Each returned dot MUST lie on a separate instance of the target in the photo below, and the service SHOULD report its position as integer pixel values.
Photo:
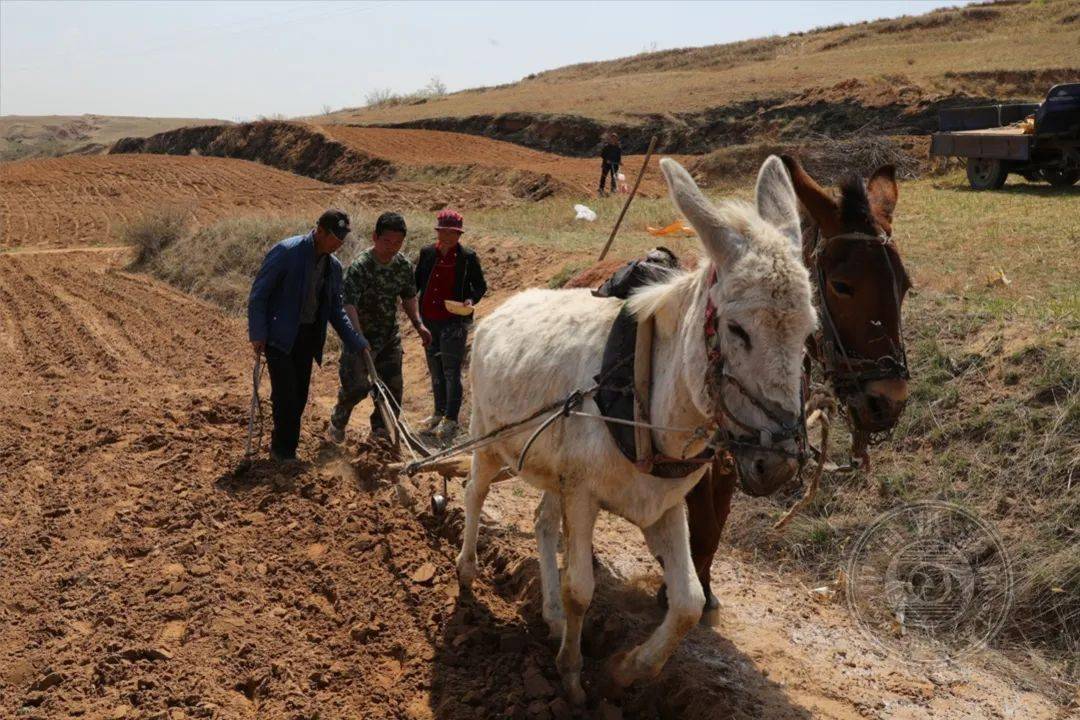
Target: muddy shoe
(381, 435)
(334, 434)
(284, 461)
(447, 429)
(431, 422)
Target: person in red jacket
(445, 271)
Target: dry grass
(153, 232)
(217, 261)
(829, 160)
(933, 51)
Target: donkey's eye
(736, 330)
(842, 288)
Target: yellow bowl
(458, 308)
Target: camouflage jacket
(374, 289)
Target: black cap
(336, 222)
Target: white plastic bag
(584, 213)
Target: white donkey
(542, 345)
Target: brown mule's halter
(846, 370)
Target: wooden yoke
(643, 441)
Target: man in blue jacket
(297, 290)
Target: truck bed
(1009, 130)
(1002, 143)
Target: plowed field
(77, 200)
(437, 148)
(147, 574)
(74, 200)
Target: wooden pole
(611, 238)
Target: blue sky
(240, 60)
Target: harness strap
(643, 440)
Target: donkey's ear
(721, 243)
(776, 201)
(882, 191)
(819, 203)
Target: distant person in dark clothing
(654, 267)
(610, 159)
(446, 271)
(296, 292)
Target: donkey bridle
(846, 370)
(759, 439)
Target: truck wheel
(986, 173)
(1061, 178)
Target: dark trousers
(445, 355)
(290, 376)
(612, 168)
(356, 385)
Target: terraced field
(79, 200)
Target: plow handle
(385, 411)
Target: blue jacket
(278, 291)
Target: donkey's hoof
(556, 628)
(621, 672)
(466, 573)
(574, 692)
(710, 614)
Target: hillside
(343, 154)
(30, 136)
(894, 73)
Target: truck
(1039, 141)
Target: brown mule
(861, 284)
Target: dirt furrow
(111, 324)
(14, 341)
(51, 344)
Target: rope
(488, 438)
(816, 478)
(563, 408)
(634, 423)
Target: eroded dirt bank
(890, 105)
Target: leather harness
(616, 398)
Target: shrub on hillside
(385, 97)
(218, 262)
(154, 231)
(829, 160)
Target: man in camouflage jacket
(374, 284)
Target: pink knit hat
(450, 220)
